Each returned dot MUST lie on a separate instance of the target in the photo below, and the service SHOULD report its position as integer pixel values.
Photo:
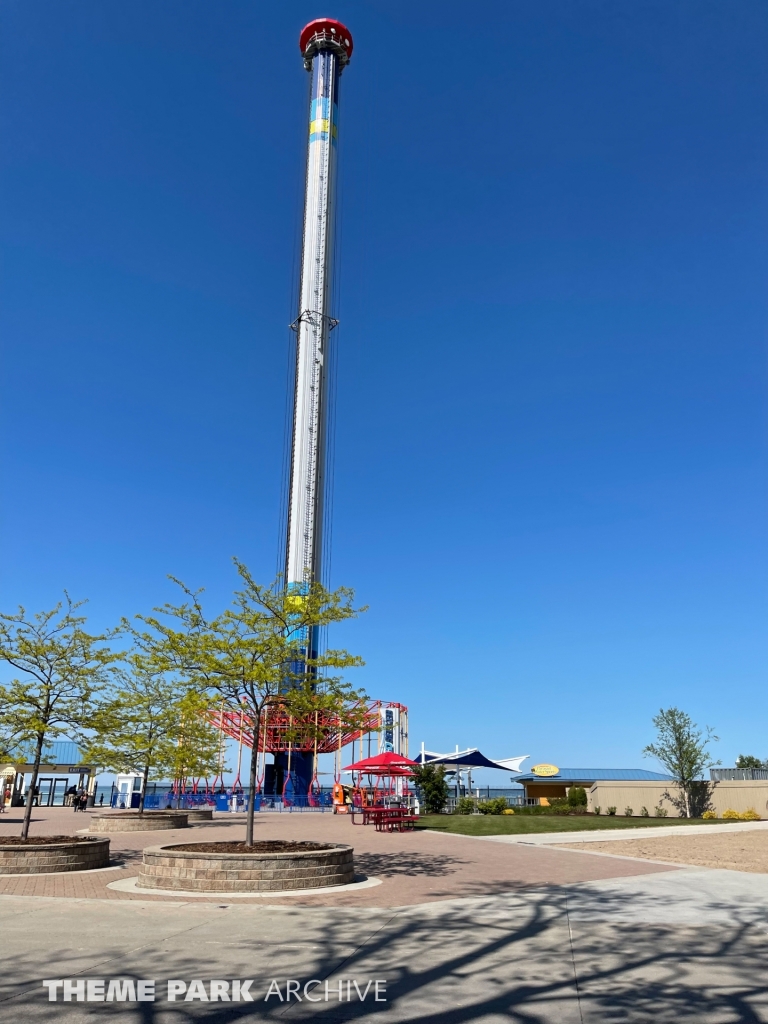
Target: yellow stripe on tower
(321, 125)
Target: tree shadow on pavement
(385, 865)
(555, 956)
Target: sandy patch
(738, 851)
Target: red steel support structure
(280, 734)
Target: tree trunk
(687, 797)
(252, 793)
(33, 785)
(143, 788)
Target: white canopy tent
(468, 760)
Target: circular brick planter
(200, 814)
(194, 871)
(127, 821)
(83, 855)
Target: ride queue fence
(161, 795)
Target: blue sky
(550, 460)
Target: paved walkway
(459, 931)
(415, 868)
(683, 947)
(626, 834)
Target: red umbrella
(383, 764)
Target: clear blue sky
(550, 470)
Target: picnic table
(385, 819)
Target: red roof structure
(324, 734)
(330, 29)
(383, 764)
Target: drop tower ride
(326, 46)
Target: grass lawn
(517, 824)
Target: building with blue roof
(637, 791)
(61, 772)
(547, 782)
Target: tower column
(326, 46)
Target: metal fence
(513, 795)
(160, 796)
(738, 774)
(513, 800)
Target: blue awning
(462, 760)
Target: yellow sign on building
(545, 770)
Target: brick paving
(415, 868)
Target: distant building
(61, 769)
(731, 789)
(551, 783)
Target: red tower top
(326, 32)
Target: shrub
(750, 815)
(660, 812)
(508, 810)
(644, 813)
(597, 809)
(611, 811)
(577, 796)
(731, 815)
(559, 806)
(496, 806)
(709, 815)
(465, 805)
(628, 812)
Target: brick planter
(40, 860)
(132, 821)
(200, 814)
(191, 870)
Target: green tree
(430, 779)
(197, 752)
(8, 746)
(62, 669)
(682, 749)
(151, 723)
(251, 656)
(748, 761)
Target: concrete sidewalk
(607, 835)
(687, 946)
(459, 931)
